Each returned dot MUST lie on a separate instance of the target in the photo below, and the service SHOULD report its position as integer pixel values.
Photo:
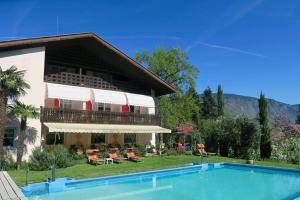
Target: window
(107, 107)
(54, 138)
(100, 106)
(129, 138)
(9, 136)
(98, 138)
(104, 107)
(65, 104)
(131, 108)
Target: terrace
(97, 117)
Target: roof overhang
(96, 44)
(104, 128)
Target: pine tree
(265, 141)
(220, 101)
(209, 106)
(298, 115)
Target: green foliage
(62, 157)
(42, 160)
(171, 65)
(209, 106)
(171, 152)
(220, 101)
(249, 135)
(39, 160)
(8, 163)
(140, 149)
(287, 150)
(265, 141)
(210, 131)
(298, 115)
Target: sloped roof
(160, 86)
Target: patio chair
(201, 149)
(132, 156)
(94, 159)
(116, 158)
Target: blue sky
(247, 46)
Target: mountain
(238, 105)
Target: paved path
(8, 188)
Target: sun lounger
(133, 157)
(94, 159)
(116, 158)
(201, 149)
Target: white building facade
(89, 94)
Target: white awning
(140, 100)
(67, 92)
(104, 128)
(108, 96)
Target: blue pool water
(222, 181)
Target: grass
(150, 163)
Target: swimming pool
(212, 181)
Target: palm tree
(12, 85)
(23, 112)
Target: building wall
(32, 61)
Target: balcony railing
(91, 82)
(96, 117)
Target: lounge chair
(201, 149)
(116, 158)
(131, 155)
(94, 159)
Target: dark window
(54, 138)
(131, 108)
(129, 138)
(9, 136)
(107, 107)
(100, 106)
(98, 138)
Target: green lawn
(150, 163)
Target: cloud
(232, 15)
(22, 16)
(230, 49)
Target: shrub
(140, 150)
(171, 152)
(287, 150)
(39, 160)
(8, 162)
(62, 157)
(249, 136)
(42, 160)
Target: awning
(140, 100)
(108, 96)
(67, 92)
(104, 128)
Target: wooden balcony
(97, 117)
(104, 82)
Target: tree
(209, 110)
(23, 112)
(265, 141)
(197, 113)
(220, 101)
(171, 65)
(298, 115)
(12, 85)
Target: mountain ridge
(245, 105)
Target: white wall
(32, 60)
